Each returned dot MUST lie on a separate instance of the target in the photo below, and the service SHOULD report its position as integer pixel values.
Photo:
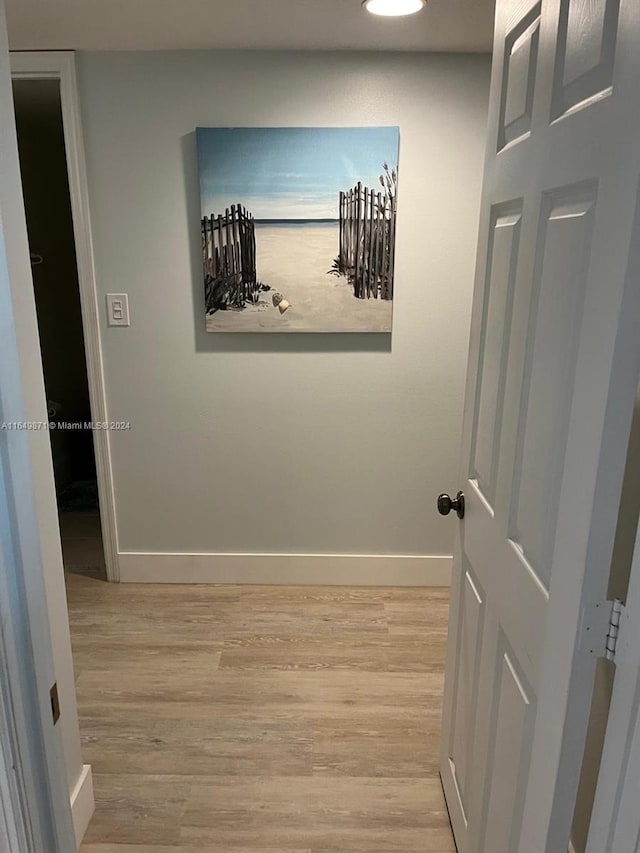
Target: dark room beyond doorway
(55, 279)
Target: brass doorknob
(446, 504)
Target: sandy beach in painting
(294, 260)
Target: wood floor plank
(371, 653)
(387, 746)
(117, 742)
(286, 618)
(79, 588)
(261, 719)
(127, 661)
(344, 813)
(138, 809)
(329, 594)
(183, 677)
(449, 847)
(208, 848)
(416, 618)
(292, 695)
(115, 624)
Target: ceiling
(445, 25)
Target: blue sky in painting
(289, 173)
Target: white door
(553, 370)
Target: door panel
(519, 74)
(586, 52)
(563, 249)
(505, 239)
(553, 368)
(508, 761)
(471, 625)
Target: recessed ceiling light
(393, 8)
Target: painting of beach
(298, 228)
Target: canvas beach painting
(298, 228)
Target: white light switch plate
(118, 309)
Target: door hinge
(615, 620)
(600, 631)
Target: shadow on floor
(82, 548)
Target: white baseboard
(82, 803)
(294, 569)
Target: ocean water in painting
(298, 228)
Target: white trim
(295, 569)
(15, 827)
(82, 803)
(60, 65)
(572, 849)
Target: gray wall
(299, 444)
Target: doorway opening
(45, 182)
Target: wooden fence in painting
(229, 259)
(367, 241)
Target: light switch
(118, 309)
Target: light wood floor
(261, 719)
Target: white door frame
(12, 829)
(615, 820)
(32, 817)
(60, 65)
(34, 799)
(16, 832)
(34, 796)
